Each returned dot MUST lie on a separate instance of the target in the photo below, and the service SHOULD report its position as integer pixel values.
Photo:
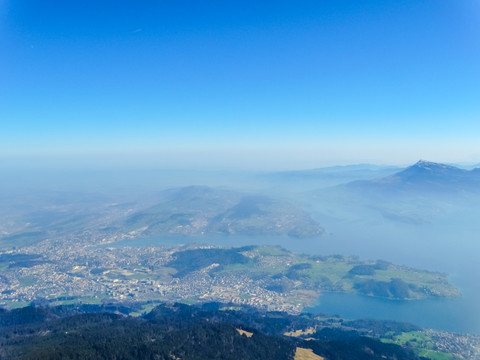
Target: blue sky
(248, 84)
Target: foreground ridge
(214, 331)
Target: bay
(461, 315)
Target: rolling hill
(201, 210)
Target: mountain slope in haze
(429, 177)
(414, 195)
(201, 210)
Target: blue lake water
(457, 315)
(442, 314)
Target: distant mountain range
(427, 177)
(413, 195)
(327, 176)
(359, 170)
(201, 210)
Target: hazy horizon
(132, 163)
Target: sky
(239, 84)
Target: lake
(399, 245)
(441, 314)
